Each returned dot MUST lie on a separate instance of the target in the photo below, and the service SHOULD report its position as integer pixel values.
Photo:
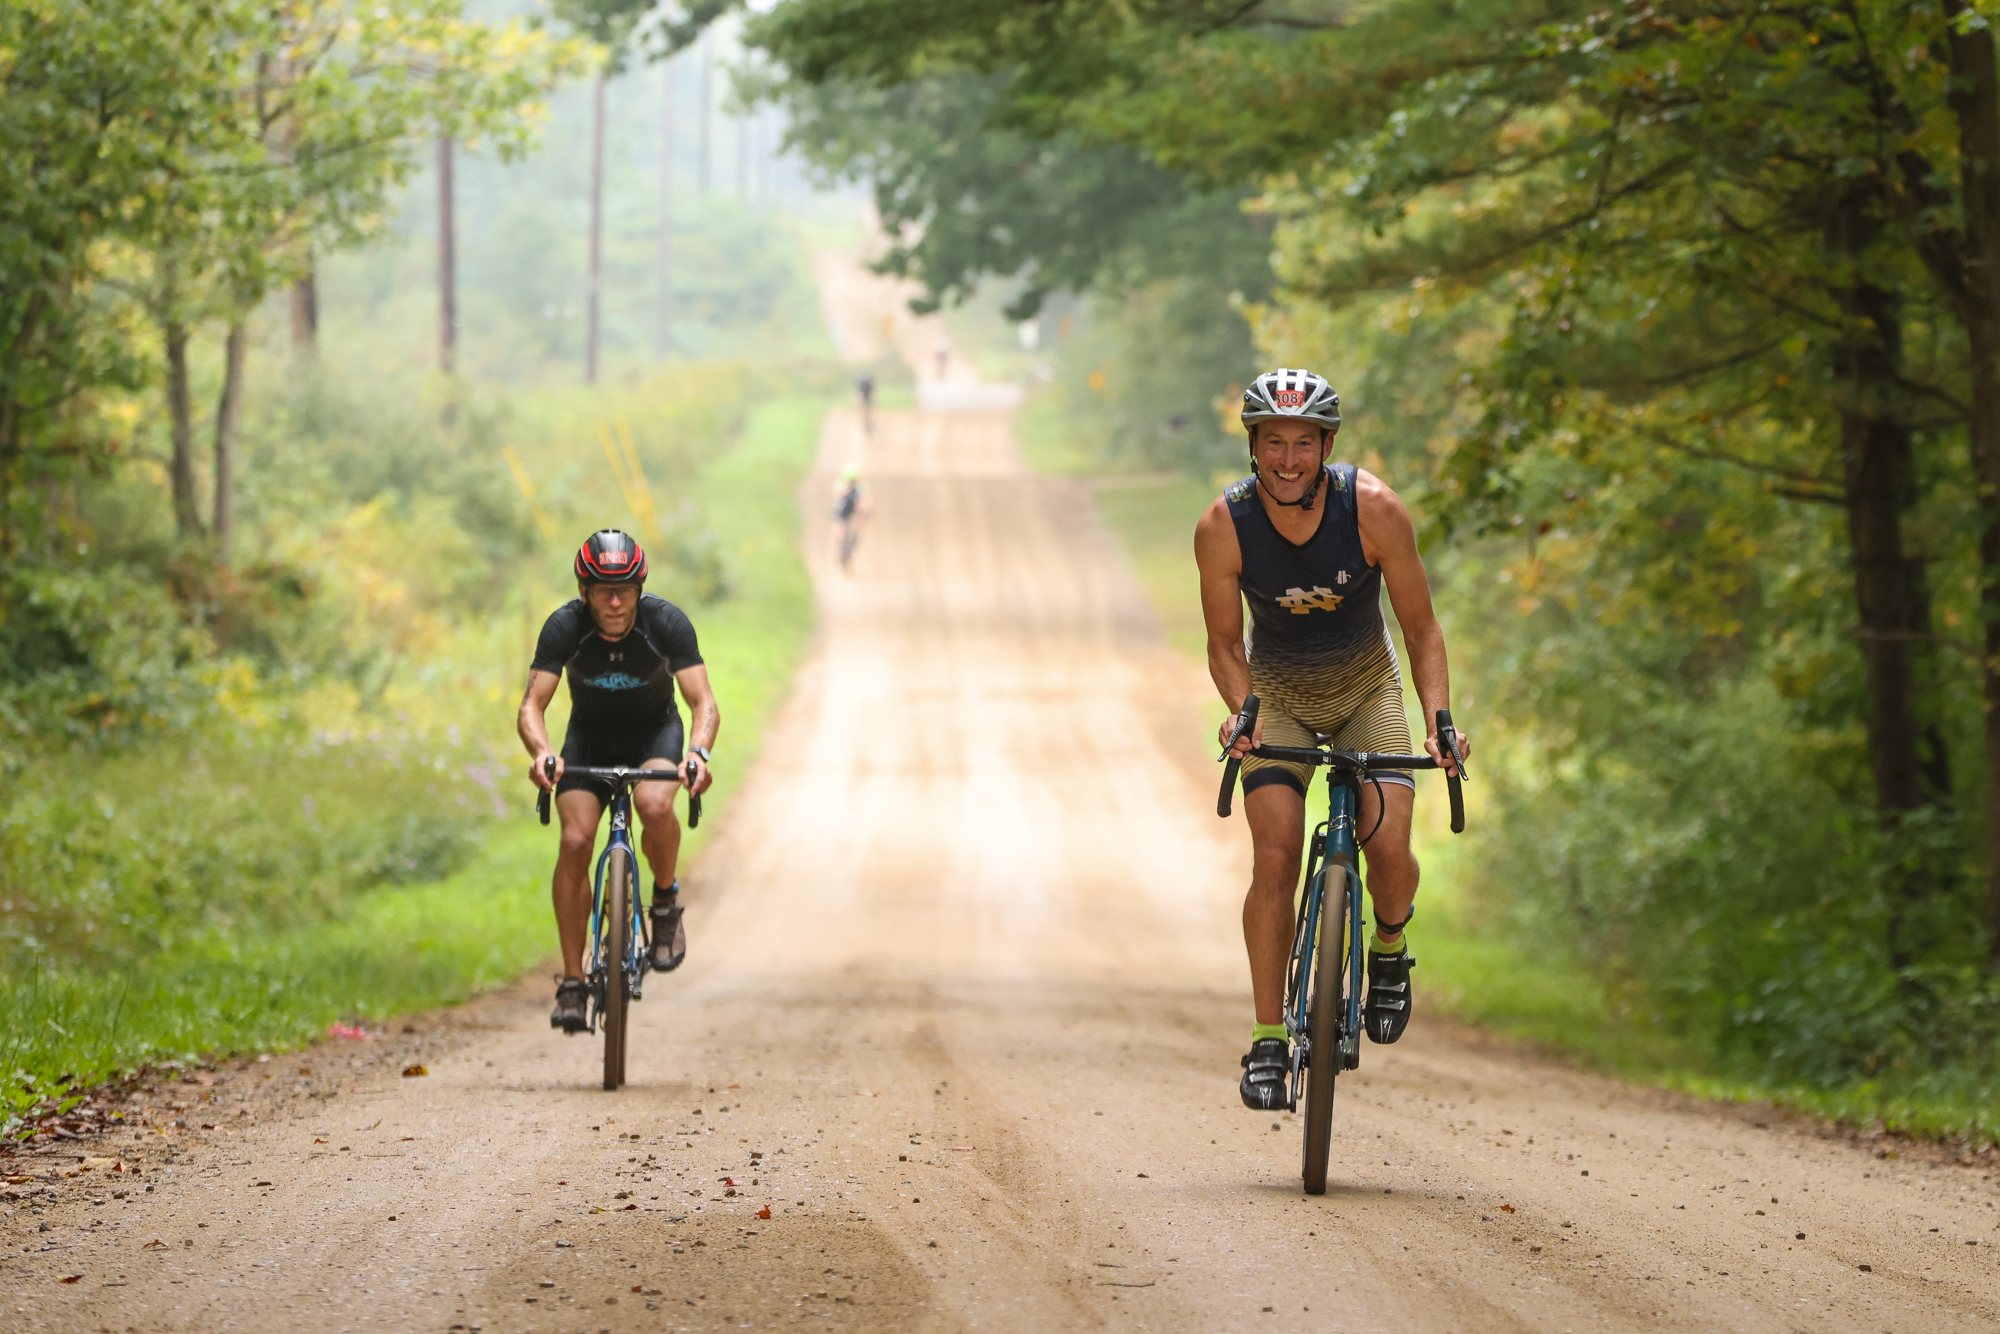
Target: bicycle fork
(1309, 938)
(633, 966)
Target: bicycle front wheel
(1323, 1022)
(617, 944)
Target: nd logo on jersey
(1301, 601)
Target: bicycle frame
(638, 958)
(639, 953)
(1331, 920)
(1332, 850)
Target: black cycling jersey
(623, 686)
(1314, 601)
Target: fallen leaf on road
(350, 1031)
(154, 1245)
(765, 1212)
(17, 1180)
(562, 1183)
(317, 1140)
(631, 1206)
(548, 1283)
(412, 1071)
(73, 1278)
(729, 1181)
(637, 1287)
(407, 1138)
(1506, 1208)
(368, 1127)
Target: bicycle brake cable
(1381, 809)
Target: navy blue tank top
(1313, 602)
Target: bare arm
(1220, 561)
(1389, 540)
(705, 720)
(532, 724)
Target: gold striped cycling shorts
(1357, 702)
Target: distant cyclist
(864, 389)
(1310, 547)
(625, 650)
(850, 513)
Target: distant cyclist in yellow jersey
(1310, 546)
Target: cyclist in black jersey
(1310, 547)
(625, 651)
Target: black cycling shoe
(1387, 1011)
(572, 1012)
(1267, 1072)
(670, 938)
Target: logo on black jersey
(1303, 601)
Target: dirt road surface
(962, 1015)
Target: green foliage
(100, 111)
(168, 899)
(1660, 313)
(390, 952)
(971, 190)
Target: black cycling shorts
(596, 749)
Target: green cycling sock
(1258, 1032)
(1377, 945)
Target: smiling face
(612, 606)
(1288, 453)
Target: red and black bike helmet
(610, 557)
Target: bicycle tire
(617, 944)
(1323, 1023)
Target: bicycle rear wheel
(1323, 1022)
(617, 944)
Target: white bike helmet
(1289, 393)
(1300, 395)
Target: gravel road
(956, 1049)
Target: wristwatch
(701, 751)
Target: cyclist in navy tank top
(1309, 546)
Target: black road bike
(1326, 979)
(620, 943)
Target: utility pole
(447, 264)
(661, 310)
(743, 157)
(596, 228)
(707, 104)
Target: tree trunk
(1974, 95)
(596, 229)
(305, 313)
(180, 412)
(447, 264)
(228, 415)
(1879, 466)
(662, 310)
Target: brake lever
(1245, 721)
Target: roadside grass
(1472, 965)
(69, 1022)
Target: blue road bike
(620, 953)
(1326, 978)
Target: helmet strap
(1304, 502)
